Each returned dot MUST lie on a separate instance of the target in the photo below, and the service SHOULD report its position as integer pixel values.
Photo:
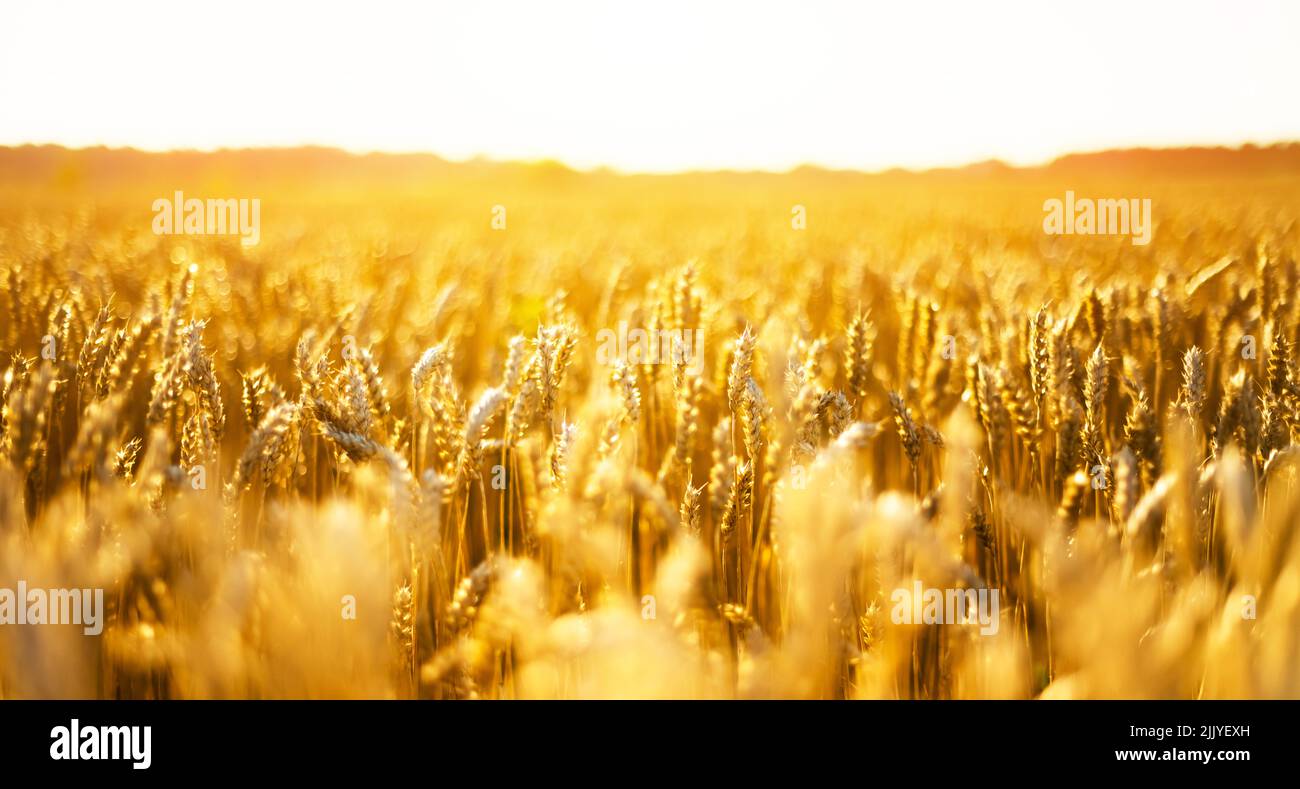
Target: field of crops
(520, 432)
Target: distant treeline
(52, 164)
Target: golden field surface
(384, 454)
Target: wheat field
(387, 452)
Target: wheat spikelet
(742, 362)
(1143, 436)
(559, 455)
(175, 318)
(690, 511)
(859, 343)
(1193, 393)
(255, 389)
(272, 449)
(124, 459)
(722, 471)
(377, 392)
(1070, 446)
(25, 417)
(95, 434)
(94, 348)
(906, 428)
(512, 373)
(125, 364)
(1094, 396)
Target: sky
(657, 86)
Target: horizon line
(614, 170)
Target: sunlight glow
(655, 87)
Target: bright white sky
(654, 86)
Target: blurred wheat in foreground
(405, 413)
